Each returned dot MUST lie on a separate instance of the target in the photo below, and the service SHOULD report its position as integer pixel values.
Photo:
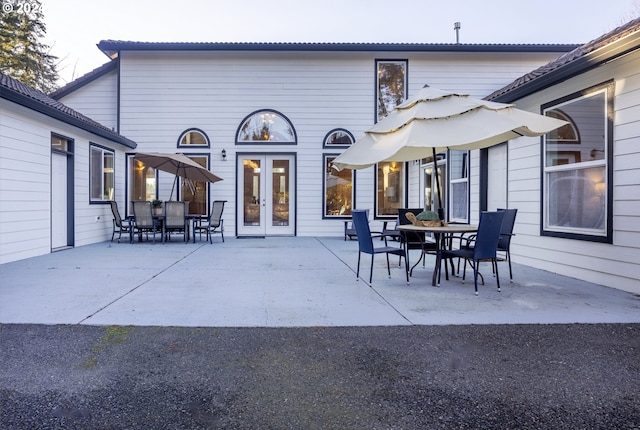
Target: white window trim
(575, 167)
(103, 151)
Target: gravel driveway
(575, 376)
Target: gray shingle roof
(611, 45)
(24, 95)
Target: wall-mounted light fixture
(224, 155)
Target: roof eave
(35, 105)
(112, 48)
(610, 52)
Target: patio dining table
(442, 236)
(190, 225)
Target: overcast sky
(74, 27)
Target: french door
(266, 194)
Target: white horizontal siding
(616, 264)
(165, 93)
(25, 148)
(25, 184)
(98, 100)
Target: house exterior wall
(25, 183)
(98, 100)
(163, 93)
(616, 264)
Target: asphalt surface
(576, 376)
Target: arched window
(566, 133)
(337, 138)
(193, 137)
(266, 126)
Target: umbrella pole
(172, 187)
(435, 171)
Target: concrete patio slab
(281, 282)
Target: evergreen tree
(23, 55)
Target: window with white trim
(576, 167)
(143, 182)
(193, 137)
(338, 189)
(391, 86)
(101, 173)
(266, 126)
(338, 138)
(390, 194)
(196, 192)
(459, 186)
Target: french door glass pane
(280, 193)
(252, 197)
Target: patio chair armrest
(468, 242)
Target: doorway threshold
(61, 248)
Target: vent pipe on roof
(456, 27)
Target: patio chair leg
(358, 270)
(475, 277)
(497, 275)
(388, 269)
(464, 271)
(371, 270)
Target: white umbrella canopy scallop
(433, 121)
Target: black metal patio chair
(144, 221)
(506, 233)
(365, 244)
(120, 225)
(213, 223)
(415, 240)
(175, 220)
(482, 247)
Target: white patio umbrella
(433, 121)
